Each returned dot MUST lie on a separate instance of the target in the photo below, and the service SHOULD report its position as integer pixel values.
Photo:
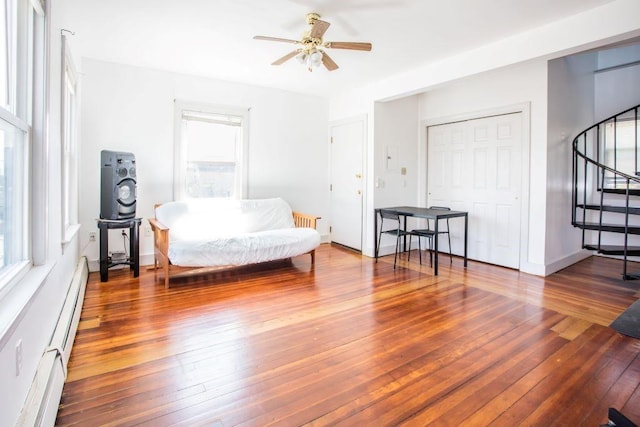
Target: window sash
(21, 93)
(14, 247)
(211, 118)
(188, 169)
(68, 156)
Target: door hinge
(332, 140)
(330, 229)
(330, 187)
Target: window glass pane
(212, 149)
(621, 154)
(11, 196)
(68, 153)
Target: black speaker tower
(117, 185)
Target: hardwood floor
(352, 342)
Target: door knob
(358, 175)
(359, 192)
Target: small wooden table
(417, 212)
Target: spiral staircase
(606, 187)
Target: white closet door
(475, 166)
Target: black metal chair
(430, 233)
(398, 231)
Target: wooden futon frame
(161, 249)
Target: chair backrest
(386, 214)
(442, 208)
(391, 216)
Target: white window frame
(25, 113)
(616, 144)
(180, 146)
(69, 146)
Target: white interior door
(475, 166)
(347, 141)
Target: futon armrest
(304, 220)
(160, 236)
(157, 225)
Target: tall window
(210, 151)
(21, 40)
(69, 150)
(620, 148)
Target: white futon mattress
(243, 249)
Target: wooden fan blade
(319, 28)
(348, 45)
(275, 39)
(287, 57)
(328, 62)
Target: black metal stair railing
(606, 181)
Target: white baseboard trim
(41, 405)
(532, 268)
(557, 265)
(389, 249)
(566, 261)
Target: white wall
(499, 91)
(131, 109)
(36, 301)
(616, 90)
(395, 133)
(571, 110)
(396, 129)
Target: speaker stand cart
(133, 260)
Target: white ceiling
(214, 38)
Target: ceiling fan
(311, 53)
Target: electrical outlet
(18, 357)
(147, 231)
(92, 236)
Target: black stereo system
(117, 185)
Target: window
(69, 150)
(21, 82)
(210, 151)
(620, 149)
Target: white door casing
(346, 180)
(475, 165)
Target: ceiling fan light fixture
(310, 58)
(302, 57)
(315, 58)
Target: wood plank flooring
(352, 342)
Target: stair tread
(633, 210)
(611, 247)
(613, 228)
(614, 249)
(632, 191)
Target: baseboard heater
(41, 406)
